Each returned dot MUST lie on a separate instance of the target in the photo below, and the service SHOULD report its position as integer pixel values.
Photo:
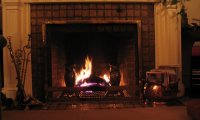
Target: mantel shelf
(60, 1)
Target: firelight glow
(155, 87)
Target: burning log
(85, 78)
(93, 81)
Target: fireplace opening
(92, 59)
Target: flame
(63, 83)
(106, 78)
(85, 72)
(122, 81)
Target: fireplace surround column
(16, 24)
(168, 39)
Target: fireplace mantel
(60, 1)
(16, 23)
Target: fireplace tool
(20, 59)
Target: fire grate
(90, 93)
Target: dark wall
(1, 66)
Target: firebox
(92, 59)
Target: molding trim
(60, 1)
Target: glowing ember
(155, 87)
(87, 84)
(84, 72)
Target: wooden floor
(147, 113)
(101, 110)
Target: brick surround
(88, 11)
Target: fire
(106, 78)
(85, 72)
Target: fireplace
(94, 55)
(118, 35)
